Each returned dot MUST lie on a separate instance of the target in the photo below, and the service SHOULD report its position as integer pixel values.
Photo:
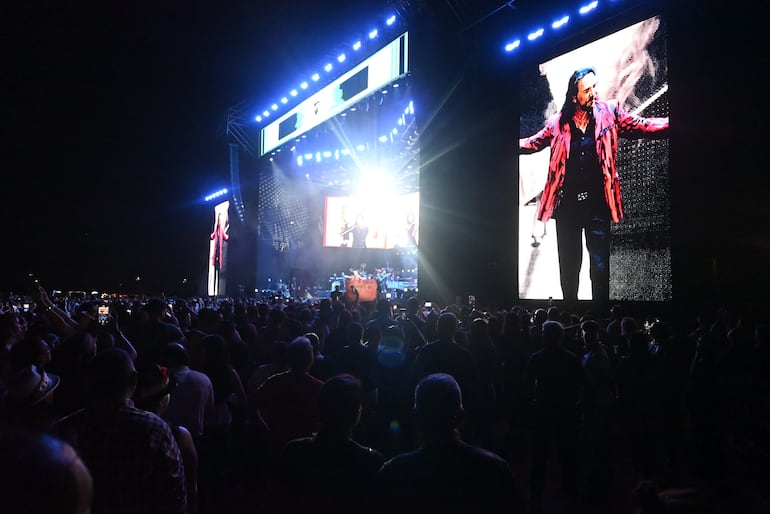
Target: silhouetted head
(155, 308)
(590, 331)
(40, 475)
(300, 355)
(174, 355)
(438, 404)
(110, 376)
(354, 332)
(153, 388)
(447, 326)
(553, 313)
(339, 402)
(553, 333)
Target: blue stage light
(341, 58)
(266, 114)
(274, 107)
(303, 85)
(216, 194)
(589, 7)
(357, 45)
(560, 23)
(284, 100)
(373, 34)
(315, 77)
(328, 67)
(510, 47)
(308, 156)
(536, 34)
(390, 21)
(293, 92)
(258, 118)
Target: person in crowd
(703, 404)
(69, 362)
(595, 403)
(276, 364)
(639, 392)
(286, 402)
(153, 390)
(132, 454)
(555, 379)
(160, 329)
(216, 447)
(329, 471)
(445, 355)
(488, 363)
(191, 402)
(358, 360)
(445, 474)
(29, 401)
(40, 474)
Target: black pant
(569, 231)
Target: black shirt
(582, 191)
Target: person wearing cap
(30, 398)
(153, 391)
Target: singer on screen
(582, 189)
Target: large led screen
(593, 171)
(341, 199)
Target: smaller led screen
(386, 223)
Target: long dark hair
(568, 109)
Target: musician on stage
(360, 231)
(582, 190)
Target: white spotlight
(510, 47)
(560, 23)
(589, 7)
(536, 34)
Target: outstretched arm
(633, 126)
(538, 141)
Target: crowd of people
(245, 405)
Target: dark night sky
(115, 125)
(114, 119)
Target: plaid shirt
(133, 458)
(611, 122)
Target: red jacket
(611, 122)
